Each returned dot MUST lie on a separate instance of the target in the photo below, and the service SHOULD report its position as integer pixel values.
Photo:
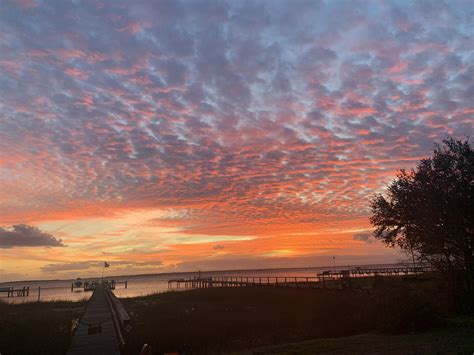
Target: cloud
(218, 247)
(22, 235)
(236, 262)
(366, 237)
(90, 265)
(241, 118)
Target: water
(141, 285)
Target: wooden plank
(97, 313)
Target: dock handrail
(120, 317)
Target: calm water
(143, 284)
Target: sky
(165, 136)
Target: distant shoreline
(330, 267)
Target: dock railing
(120, 317)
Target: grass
(37, 328)
(383, 312)
(456, 338)
(379, 315)
(214, 320)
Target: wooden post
(126, 283)
(39, 292)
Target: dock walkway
(99, 330)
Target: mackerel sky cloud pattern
(261, 127)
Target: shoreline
(329, 267)
(315, 278)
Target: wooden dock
(20, 292)
(101, 328)
(238, 281)
(91, 285)
(317, 281)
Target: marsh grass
(37, 327)
(400, 309)
(213, 320)
(457, 337)
(228, 319)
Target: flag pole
(105, 265)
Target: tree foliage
(429, 211)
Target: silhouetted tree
(429, 211)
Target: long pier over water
(317, 281)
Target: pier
(237, 281)
(37, 293)
(91, 285)
(102, 327)
(319, 281)
(11, 291)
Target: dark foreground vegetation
(220, 320)
(457, 337)
(37, 328)
(401, 315)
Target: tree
(429, 211)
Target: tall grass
(215, 320)
(221, 319)
(37, 328)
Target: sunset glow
(167, 136)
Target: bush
(404, 310)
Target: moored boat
(78, 282)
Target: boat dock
(36, 293)
(102, 327)
(91, 285)
(236, 281)
(318, 281)
(11, 291)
